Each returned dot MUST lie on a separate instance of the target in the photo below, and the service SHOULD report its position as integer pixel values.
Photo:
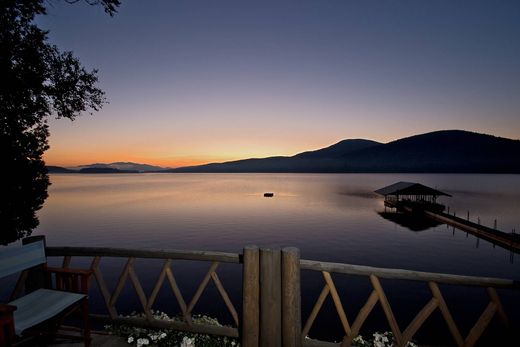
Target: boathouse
(412, 195)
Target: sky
(193, 81)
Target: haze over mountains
(123, 166)
(448, 151)
(117, 167)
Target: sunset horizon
(107, 158)
(259, 173)
(187, 87)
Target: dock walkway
(509, 241)
(506, 240)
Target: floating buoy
(268, 195)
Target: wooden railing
(271, 309)
(147, 301)
(437, 301)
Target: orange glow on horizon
(75, 161)
(68, 159)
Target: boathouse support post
(251, 297)
(270, 297)
(291, 298)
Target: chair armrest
(6, 309)
(67, 279)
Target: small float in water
(268, 195)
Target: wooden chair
(40, 312)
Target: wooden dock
(420, 200)
(508, 241)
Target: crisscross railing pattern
(166, 273)
(402, 337)
(271, 312)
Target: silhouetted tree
(36, 81)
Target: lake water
(330, 217)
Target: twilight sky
(193, 81)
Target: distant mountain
(104, 170)
(441, 151)
(59, 169)
(339, 149)
(123, 166)
(449, 151)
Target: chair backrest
(16, 259)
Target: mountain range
(447, 151)
(123, 166)
(117, 167)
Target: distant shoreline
(447, 151)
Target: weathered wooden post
(291, 298)
(35, 276)
(270, 298)
(251, 297)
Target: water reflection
(412, 222)
(329, 217)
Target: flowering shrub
(147, 337)
(385, 339)
(141, 337)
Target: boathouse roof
(409, 188)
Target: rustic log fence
(378, 296)
(271, 298)
(128, 273)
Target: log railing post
(291, 298)
(270, 298)
(251, 297)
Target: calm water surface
(329, 217)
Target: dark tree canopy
(37, 81)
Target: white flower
(187, 342)
(130, 339)
(142, 341)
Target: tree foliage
(37, 81)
